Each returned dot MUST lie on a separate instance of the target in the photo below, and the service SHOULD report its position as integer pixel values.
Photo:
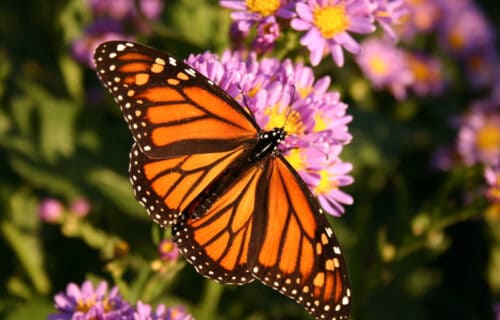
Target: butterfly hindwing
(170, 108)
(299, 255)
(165, 187)
(219, 243)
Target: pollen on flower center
(331, 20)
(85, 305)
(456, 40)
(488, 138)
(263, 7)
(293, 124)
(325, 184)
(378, 65)
(295, 158)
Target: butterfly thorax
(264, 147)
(268, 143)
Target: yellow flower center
(252, 92)
(319, 122)
(456, 40)
(488, 138)
(325, 183)
(378, 65)
(167, 246)
(263, 7)
(295, 158)
(304, 91)
(331, 20)
(85, 305)
(419, 69)
(493, 213)
(277, 118)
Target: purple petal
(299, 24)
(337, 54)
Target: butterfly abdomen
(266, 146)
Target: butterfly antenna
(245, 101)
(289, 106)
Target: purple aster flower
(285, 94)
(151, 9)
(101, 31)
(178, 313)
(332, 174)
(444, 158)
(115, 9)
(492, 177)
(466, 30)
(482, 68)
(167, 249)
(479, 136)
(327, 24)
(385, 66)
(422, 17)
(428, 78)
(302, 79)
(268, 31)
(80, 207)
(146, 312)
(389, 13)
(249, 12)
(87, 302)
(123, 9)
(50, 210)
(237, 36)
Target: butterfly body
(201, 165)
(265, 146)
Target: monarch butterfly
(201, 164)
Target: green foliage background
(415, 248)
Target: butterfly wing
(268, 226)
(170, 108)
(218, 243)
(165, 187)
(299, 255)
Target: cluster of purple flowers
(111, 20)
(466, 35)
(478, 142)
(284, 93)
(327, 25)
(87, 302)
(387, 66)
(463, 33)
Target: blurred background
(421, 240)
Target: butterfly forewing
(170, 108)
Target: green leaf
(21, 110)
(57, 130)
(28, 251)
(57, 122)
(43, 178)
(36, 309)
(117, 189)
(72, 74)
